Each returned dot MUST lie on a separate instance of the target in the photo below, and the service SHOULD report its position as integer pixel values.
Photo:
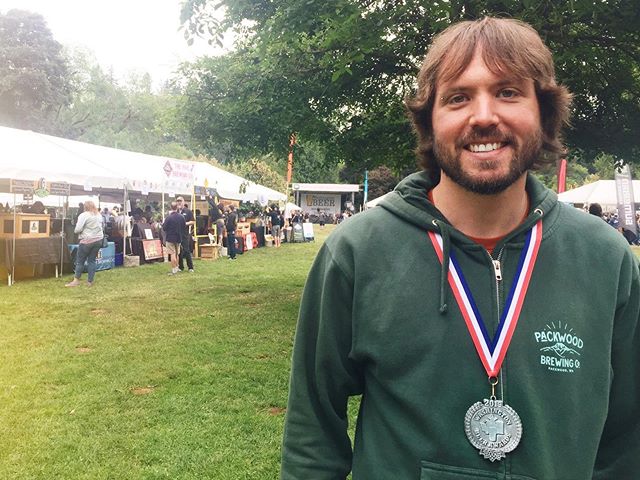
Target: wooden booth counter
(30, 225)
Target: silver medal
(493, 428)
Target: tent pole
(64, 214)
(12, 280)
(124, 225)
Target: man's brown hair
(506, 46)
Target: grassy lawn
(147, 376)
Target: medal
(491, 426)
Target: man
(148, 214)
(274, 221)
(232, 223)
(173, 226)
(216, 217)
(495, 335)
(185, 248)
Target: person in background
(105, 215)
(274, 222)
(138, 215)
(174, 228)
(89, 227)
(232, 223)
(216, 217)
(595, 209)
(322, 218)
(37, 207)
(148, 214)
(190, 221)
(297, 217)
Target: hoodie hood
(409, 201)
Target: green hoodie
(378, 319)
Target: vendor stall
(34, 166)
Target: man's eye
(508, 93)
(456, 99)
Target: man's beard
(524, 157)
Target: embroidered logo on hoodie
(560, 348)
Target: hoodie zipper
(497, 271)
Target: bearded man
(496, 335)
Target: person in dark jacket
(185, 247)
(216, 216)
(232, 223)
(496, 334)
(173, 227)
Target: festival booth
(228, 188)
(34, 166)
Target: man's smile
(484, 147)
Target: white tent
(602, 192)
(111, 173)
(289, 208)
(30, 156)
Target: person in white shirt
(89, 228)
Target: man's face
(180, 202)
(486, 128)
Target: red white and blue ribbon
(492, 352)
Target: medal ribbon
(492, 352)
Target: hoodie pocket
(437, 471)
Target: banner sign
(626, 204)
(180, 176)
(21, 186)
(40, 187)
(366, 187)
(326, 203)
(205, 191)
(59, 188)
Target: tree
(337, 71)
(34, 76)
(381, 180)
(260, 171)
(127, 116)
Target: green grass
(147, 376)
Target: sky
(125, 35)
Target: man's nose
(484, 113)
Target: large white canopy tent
(602, 192)
(29, 155)
(112, 173)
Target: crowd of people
(178, 229)
(612, 219)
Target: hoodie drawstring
(444, 268)
(444, 231)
